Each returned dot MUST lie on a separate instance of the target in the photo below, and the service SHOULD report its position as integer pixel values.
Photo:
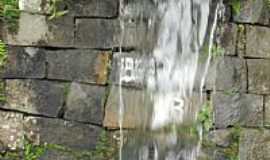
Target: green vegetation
(10, 13)
(205, 117)
(3, 59)
(3, 54)
(54, 9)
(236, 6)
(33, 152)
(217, 51)
(232, 152)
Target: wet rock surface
(78, 65)
(85, 103)
(35, 97)
(55, 131)
(234, 108)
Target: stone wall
(61, 83)
(240, 98)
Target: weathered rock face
(255, 144)
(35, 96)
(11, 129)
(85, 103)
(104, 33)
(94, 8)
(229, 38)
(231, 75)
(55, 131)
(78, 65)
(253, 12)
(133, 113)
(234, 108)
(258, 76)
(258, 42)
(37, 6)
(267, 111)
(46, 33)
(25, 63)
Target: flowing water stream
(172, 77)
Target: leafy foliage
(236, 6)
(54, 9)
(205, 117)
(10, 13)
(33, 152)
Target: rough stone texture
(234, 108)
(231, 74)
(221, 137)
(229, 38)
(85, 103)
(25, 63)
(78, 65)
(258, 42)
(255, 144)
(35, 97)
(267, 111)
(94, 8)
(55, 131)
(56, 155)
(11, 129)
(133, 111)
(36, 6)
(253, 12)
(101, 33)
(57, 32)
(258, 76)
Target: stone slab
(134, 113)
(101, 33)
(258, 76)
(258, 42)
(59, 132)
(85, 103)
(267, 111)
(35, 96)
(25, 63)
(231, 74)
(255, 12)
(54, 33)
(237, 109)
(78, 65)
(254, 144)
(229, 38)
(11, 129)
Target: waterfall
(170, 72)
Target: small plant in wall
(10, 13)
(236, 6)
(54, 9)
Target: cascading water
(169, 74)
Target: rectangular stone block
(229, 38)
(79, 65)
(36, 6)
(231, 74)
(94, 8)
(258, 42)
(101, 33)
(35, 96)
(134, 112)
(254, 144)
(54, 33)
(55, 131)
(85, 103)
(25, 62)
(11, 129)
(234, 109)
(267, 111)
(255, 12)
(258, 76)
